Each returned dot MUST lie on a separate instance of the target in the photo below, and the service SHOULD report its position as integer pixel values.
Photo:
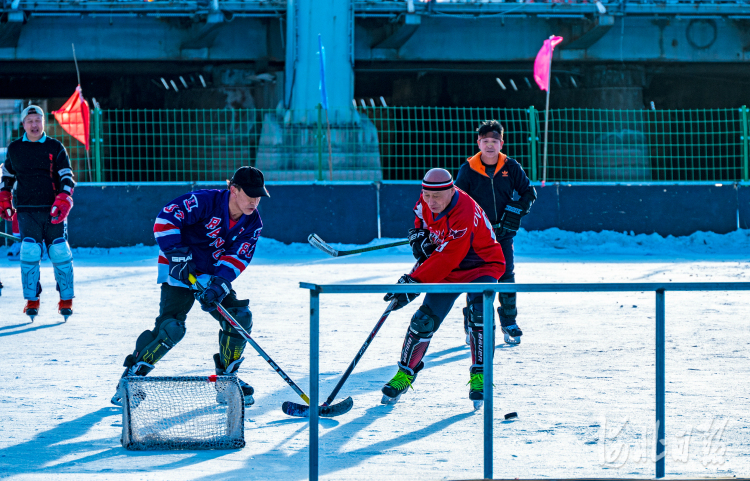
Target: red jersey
(466, 246)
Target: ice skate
(476, 390)
(65, 308)
(402, 381)
(247, 390)
(31, 309)
(139, 369)
(512, 334)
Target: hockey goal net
(163, 413)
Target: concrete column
(301, 142)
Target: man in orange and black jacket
(490, 178)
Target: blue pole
(660, 381)
(488, 345)
(314, 375)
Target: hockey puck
(511, 415)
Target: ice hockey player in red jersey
(210, 234)
(454, 242)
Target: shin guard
(153, 345)
(231, 342)
(423, 325)
(62, 261)
(476, 336)
(31, 255)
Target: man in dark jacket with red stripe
(490, 178)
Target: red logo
(214, 223)
(50, 157)
(505, 173)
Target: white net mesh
(161, 413)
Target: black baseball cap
(251, 181)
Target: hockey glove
(6, 205)
(403, 299)
(61, 208)
(214, 293)
(181, 264)
(421, 247)
(511, 219)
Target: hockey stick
(11, 237)
(300, 410)
(317, 242)
(327, 411)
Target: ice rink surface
(582, 380)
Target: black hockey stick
(317, 242)
(300, 410)
(327, 411)
(11, 237)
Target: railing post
(532, 141)
(660, 385)
(488, 345)
(97, 143)
(314, 375)
(745, 146)
(319, 137)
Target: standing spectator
(490, 178)
(40, 168)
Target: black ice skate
(476, 390)
(512, 332)
(402, 381)
(247, 390)
(139, 369)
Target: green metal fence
(401, 143)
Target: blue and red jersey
(466, 246)
(200, 221)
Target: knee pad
(31, 250)
(153, 345)
(242, 315)
(62, 262)
(31, 254)
(424, 322)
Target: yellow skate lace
(401, 380)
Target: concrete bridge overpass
(260, 53)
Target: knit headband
(443, 185)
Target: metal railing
(401, 143)
(488, 293)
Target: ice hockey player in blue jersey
(210, 234)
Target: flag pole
(78, 74)
(546, 118)
(330, 152)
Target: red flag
(543, 62)
(73, 117)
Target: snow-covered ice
(582, 381)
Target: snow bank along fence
(488, 291)
(358, 212)
(190, 145)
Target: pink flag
(543, 62)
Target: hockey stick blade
(319, 243)
(303, 411)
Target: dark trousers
(508, 311)
(38, 226)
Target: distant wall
(109, 215)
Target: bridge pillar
(299, 142)
(615, 147)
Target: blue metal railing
(488, 291)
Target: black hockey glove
(181, 264)
(421, 247)
(511, 219)
(403, 299)
(216, 291)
